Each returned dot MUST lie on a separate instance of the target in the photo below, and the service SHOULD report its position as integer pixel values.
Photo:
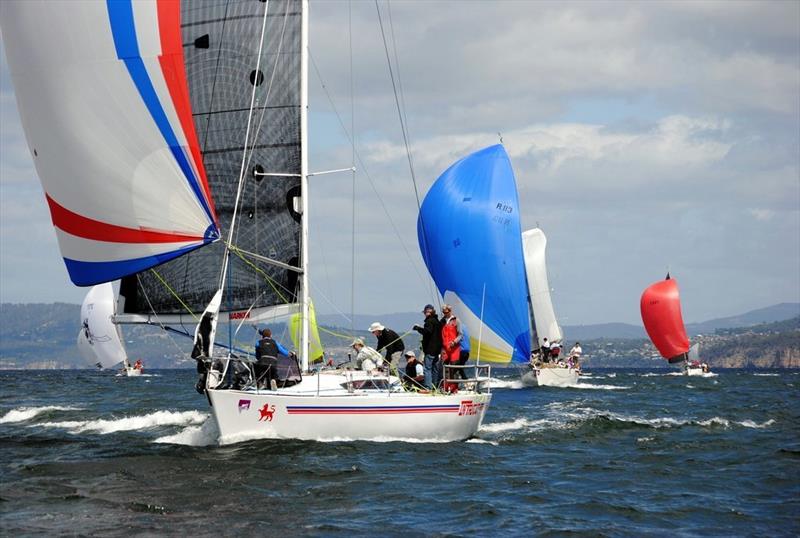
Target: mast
(304, 351)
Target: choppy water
(630, 453)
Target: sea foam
(151, 420)
(21, 414)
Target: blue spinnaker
(470, 237)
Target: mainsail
(661, 313)
(99, 339)
(534, 244)
(220, 60)
(470, 238)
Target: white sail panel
(108, 145)
(534, 243)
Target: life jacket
(267, 348)
(449, 333)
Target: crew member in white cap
(367, 359)
(388, 341)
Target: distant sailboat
(557, 373)
(660, 306)
(472, 244)
(99, 339)
(155, 128)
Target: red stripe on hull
(80, 226)
(369, 412)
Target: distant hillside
(778, 312)
(44, 336)
(403, 321)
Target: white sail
(99, 340)
(533, 245)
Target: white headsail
(533, 245)
(99, 339)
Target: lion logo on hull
(267, 412)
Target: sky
(645, 137)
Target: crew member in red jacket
(451, 343)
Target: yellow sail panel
(488, 353)
(295, 326)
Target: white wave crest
(597, 387)
(152, 420)
(751, 424)
(518, 424)
(22, 414)
(496, 383)
(482, 441)
(767, 375)
(652, 374)
(203, 435)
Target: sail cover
(661, 315)
(221, 61)
(99, 338)
(534, 243)
(470, 238)
(103, 100)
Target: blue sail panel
(470, 238)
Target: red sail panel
(661, 314)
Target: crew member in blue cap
(431, 332)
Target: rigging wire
(404, 129)
(353, 164)
(363, 167)
(226, 257)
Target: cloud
(644, 135)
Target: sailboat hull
(130, 371)
(367, 415)
(550, 377)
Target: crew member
(431, 332)
(389, 342)
(415, 373)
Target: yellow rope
(164, 282)
(269, 280)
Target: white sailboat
(99, 338)
(556, 373)
(171, 125)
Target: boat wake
(22, 414)
(204, 435)
(515, 425)
(151, 420)
(596, 387)
(497, 383)
(651, 374)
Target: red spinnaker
(661, 314)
